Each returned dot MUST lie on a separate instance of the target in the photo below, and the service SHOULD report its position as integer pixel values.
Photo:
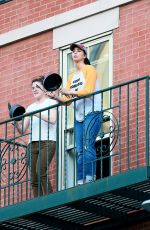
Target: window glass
(99, 53)
(99, 57)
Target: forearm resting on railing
(60, 99)
(51, 117)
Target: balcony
(122, 182)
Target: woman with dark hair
(88, 116)
(42, 141)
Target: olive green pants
(40, 155)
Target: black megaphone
(15, 110)
(52, 82)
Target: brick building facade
(32, 42)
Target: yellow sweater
(90, 75)
(84, 83)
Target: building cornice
(60, 20)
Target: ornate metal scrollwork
(109, 129)
(13, 162)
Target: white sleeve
(29, 109)
(52, 102)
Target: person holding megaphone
(88, 115)
(42, 141)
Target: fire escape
(122, 182)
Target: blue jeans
(85, 136)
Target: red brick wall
(18, 13)
(20, 62)
(132, 42)
(23, 60)
(131, 60)
(30, 57)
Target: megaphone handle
(9, 106)
(40, 88)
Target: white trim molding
(85, 28)
(61, 20)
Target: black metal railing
(122, 143)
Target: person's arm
(44, 116)
(65, 92)
(62, 99)
(55, 96)
(23, 126)
(90, 81)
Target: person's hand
(13, 123)
(73, 93)
(64, 91)
(52, 94)
(67, 93)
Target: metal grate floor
(105, 211)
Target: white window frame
(64, 51)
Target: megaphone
(15, 110)
(52, 82)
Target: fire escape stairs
(103, 204)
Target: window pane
(70, 64)
(99, 57)
(99, 52)
(70, 114)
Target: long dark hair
(86, 61)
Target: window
(4, 1)
(99, 51)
